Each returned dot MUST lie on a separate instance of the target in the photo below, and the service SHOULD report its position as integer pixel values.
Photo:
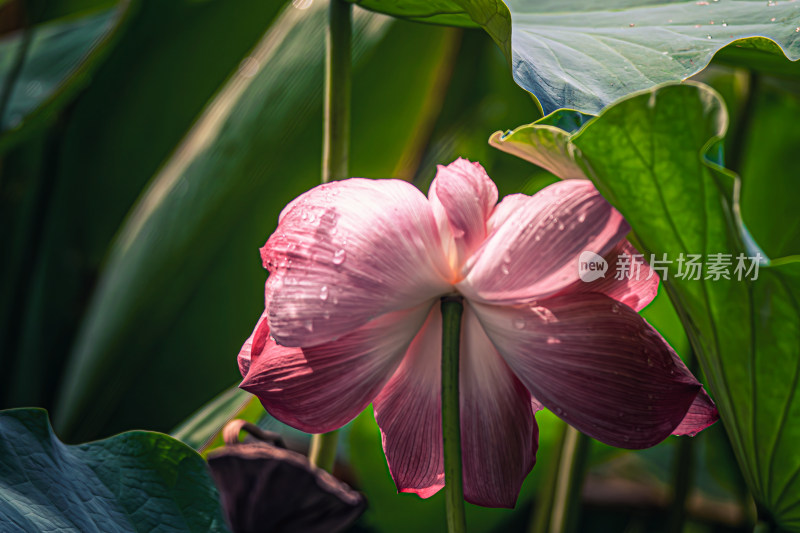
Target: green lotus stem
(335, 150)
(336, 134)
(683, 470)
(452, 309)
(322, 453)
(571, 471)
(540, 522)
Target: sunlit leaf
(136, 481)
(653, 156)
(585, 55)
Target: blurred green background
(146, 149)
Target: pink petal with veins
(534, 252)
(462, 197)
(596, 364)
(499, 435)
(321, 388)
(409, 412)
(347, 252)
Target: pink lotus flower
(357, 269)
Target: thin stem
(451, 418)
(323, 450)
(336, 135)
(540, 523)
(572, 468)
(683, 470)
(683, 474)
(335, 150)
(738, 145)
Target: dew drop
(615, 308)
(323, 293)
(708, 36)
(537, 238)
(507, 257)
(504, 269)
(582, 216)
(518, 323)
(304, 216)
(560, 226)
(309, 325)
(338, 256)
(772, 19)
(724, 24)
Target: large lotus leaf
(586, 54)
(655, 157)
(134, 482)
(42, 67)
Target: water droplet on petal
(537, 237)
(338, 256)
(519, 323)
(615, 308)
(323, 293)
(582, 216)
(626, 438)
(560, 226)
(504, 269)
(309, 325)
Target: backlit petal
(409, 413)
(534, 252)
(347, 252)
(636, 288)
(499, 436)
(321, 388)
(701, 414)
(596, 364)
(462, 197)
